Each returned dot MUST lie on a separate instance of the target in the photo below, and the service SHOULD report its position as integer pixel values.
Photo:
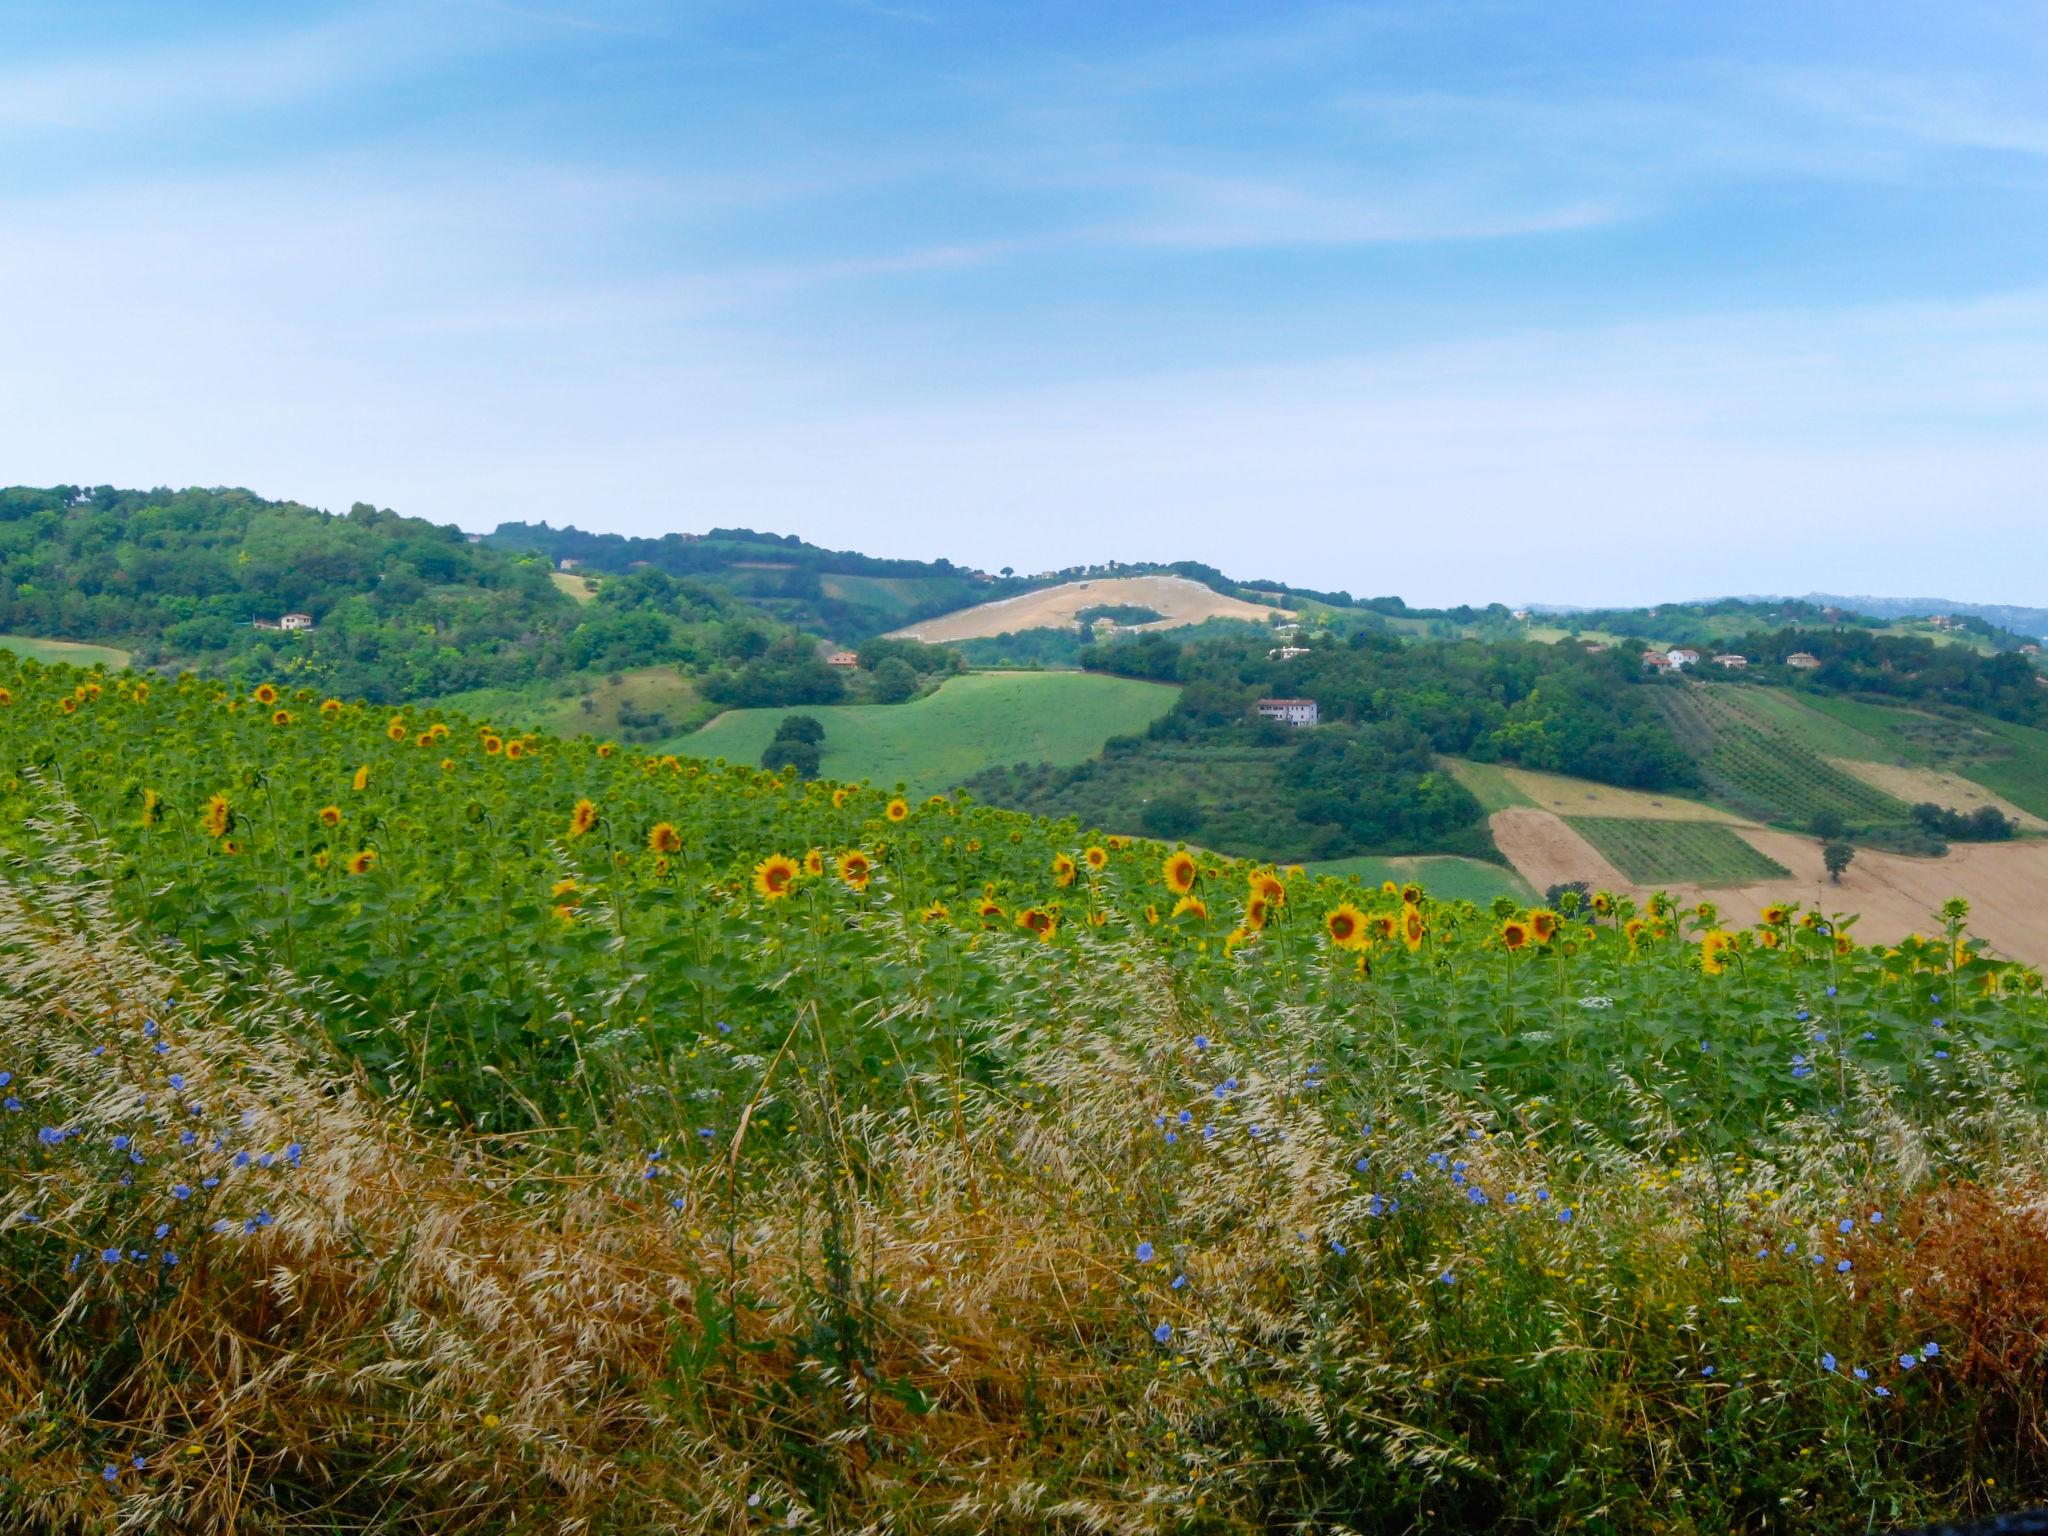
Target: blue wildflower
(6, 1078)
(1144, 1253)
(110, 1255)
(1338, 1248)
(1179, 1281)
(1908, 1360)
(177, 1080)
(1564, 1214)
(1831, 991)
(110, 1471)
(13, 1104)
(1845, 1226)
(163, 1230)
(1163, 1332)
(1706, 1370)
(1201, 1042)
(1186, 1117)
(148, 1028)
(1827, 1362)
(1929, 1350)
(1843, 1266)
(1447, 1278)
(1860, 1373)
(1884, 1391)
(120, 1143)
(1360, 1165)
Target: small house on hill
(1682, 656)
(1286, 652)
(296, 621)
(567, 563)
(1805, 661)
(2030, 649)
(843, 659)
(1287, 711)
(1731, 661)
(1656, 661)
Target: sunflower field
(411, 1121)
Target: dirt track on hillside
(2006, 884)
(1180, 600)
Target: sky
(1465, 302)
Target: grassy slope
(2010, 760)
(77, 653)
(973, 722)
(1755, 757)
(1445, 876)
(557, 706)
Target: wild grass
(1341, 1293)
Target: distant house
(1286, 652)
(1520, 615)
(296, 621)
(1805, 661)
(1941, 621)
(1682, 656)
(843, 659)
(567, 563)
(1657, 661)
(1731, 661)
(2030, 649)
(1288, 711)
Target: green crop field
(2008, 759)
(1691, 852)
(1489, 784)
(1754, 758)
(76, 652)
(1445, 876)
(983, 720)
(642, 704)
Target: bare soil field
(1891, 895)
(1546, 852)
(1180, 600)
(1914, 785)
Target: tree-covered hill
(401, 608)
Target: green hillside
(1758, 760)
(971, 723)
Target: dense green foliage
(1365, 780)
(1902, 669)
(402, 608)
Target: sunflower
(1844, 945)
(219, 814)
(1063, 869)
(1543, 925)
(1603, 903)
(395, 730)
(854, 868)
(1381, 925)
(1345, 925)
(1411, 926)
(329, 708)
(582, 817)
(1768, 938)
(974, 845)
(1094, 857)
(1097, 918)
(493, 744)
(1179, 872)
(515, 749)
(1411, 895)
(563, 891)
(1514, 934)
(1714, 946)
(1189, 906)
(1255, 913)
(320, 859)
(1151, 915)
(6, 698)
(265, 694)
(989, 911)
(1239, 936)
(229, 846)
(840, 797)
(1117, 842)
(1270, 888)
(1038, 921)
(1634, 928)
(330, 815)
(773, 876)
(1388, 888)
(663, 837)
(68, 704)
(936, 912)
(1777, 914)
(897, 809)
(447, 765)
(605, 749)
(360, 861)
(362, 779)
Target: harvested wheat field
(2005, 883)
(1180, 600)
(1955, 793)
(1582, 797)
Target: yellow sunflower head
(1038, 922)
(936, 912)
(219, 815)
(1255, 912)
(663, 837)
(493, 744)
(1411, 895)
(330, 815)
(840, 796)
(989, 911)
(1094, 857)
(1190, 906)
(582, 817)
(1411, 926)
(360, 861)
(1179, 872)
(1514, 934)
(1269, 888)
(1543, 925)
(265, 694)
(1063, 868)
(897, 809)
(774, 876)
(1714, 947)
(855, 869)
(1776, 915)
(1345, 925)
(362, 779)
(329, 708)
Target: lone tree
(1836, 854)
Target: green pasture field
(77, 653)
(1446, 877)
(1755, 759)
(982, 720)
(640, 704)
(1692, 852)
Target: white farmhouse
(1288, 711)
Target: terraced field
(1654, 851)
(1756, 760)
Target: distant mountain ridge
(2013, 617)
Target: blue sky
(1560, 301)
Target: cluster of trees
(402, 608)
(1986, 824)
(798, 742)
(1905, 668)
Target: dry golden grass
(1176, 598)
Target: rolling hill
(1175, 599)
